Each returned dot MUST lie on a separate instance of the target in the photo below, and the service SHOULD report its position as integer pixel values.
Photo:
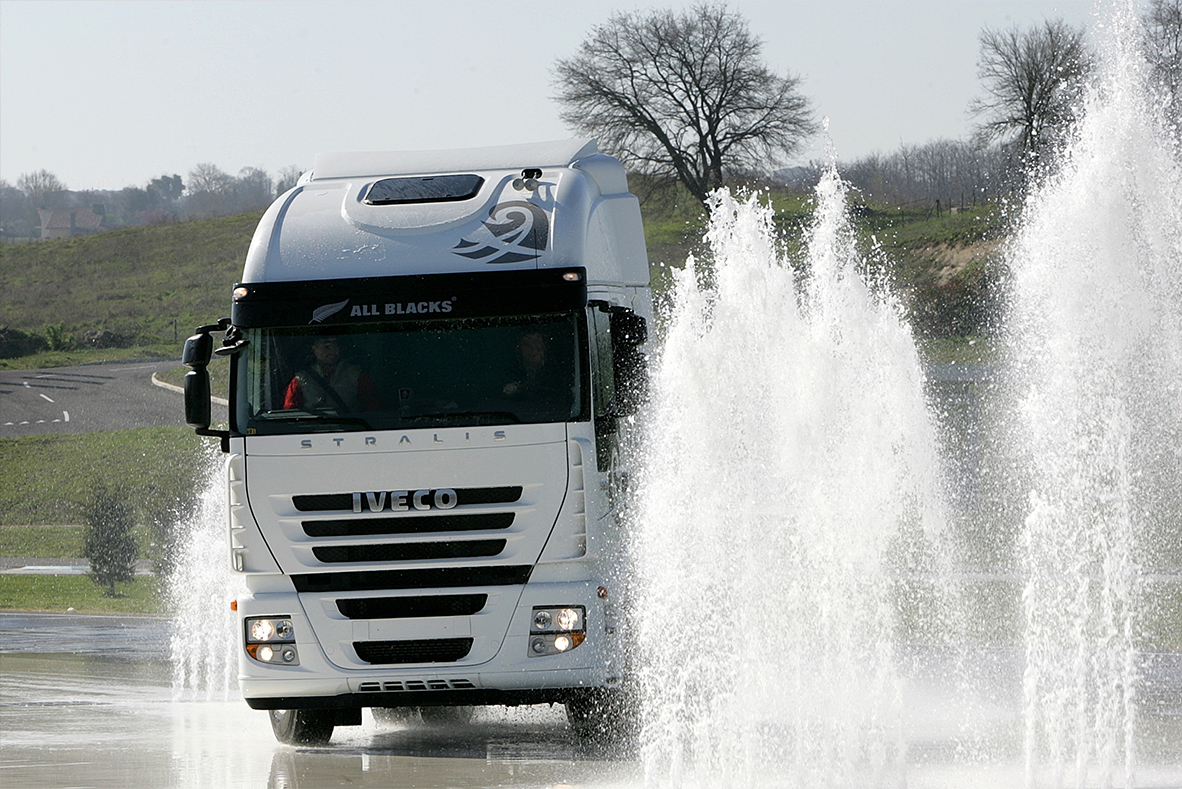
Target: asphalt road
(90, 701)
(88, 398)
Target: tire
(603, 718)
(302, 727)
(447, 716)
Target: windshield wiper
(318, 418)
(493, 417)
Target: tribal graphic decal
(515, 231)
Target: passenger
(330, 383)
(536, 379)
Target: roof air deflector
(423, 189)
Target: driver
(330, 383)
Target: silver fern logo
(327, 311)
(514, 231)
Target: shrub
(56, 337)
(110, 546)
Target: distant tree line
(683, 96)
(207, 192)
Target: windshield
(412, 375)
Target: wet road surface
(88, 701)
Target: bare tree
(1163, 48)
(209, 178)
(1032, 79)
(254, 188)
(39, 185)
(683, 94)
(288, 177)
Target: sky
(111, 94)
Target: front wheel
(302, 727)
(606, 718)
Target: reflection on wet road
(88, 702)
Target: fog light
(266, 654)
(538, 645)
(289, 655)
(562, 643)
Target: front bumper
(511, 676)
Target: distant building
(70, 222)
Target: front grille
(411, 551)
(329, 502)
(429, 578)
(413, 524)
(408, 607)
(427, 650)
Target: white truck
(432, 355)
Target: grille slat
(427, 650)
(409, 551)
(427, 578)
(409, 607)
(411, 524)
(329, 502)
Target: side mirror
(628, 328)
(198, 401)
(198, 412)
(630, 366)
(198, 351)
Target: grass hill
(150, 286)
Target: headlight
(556, 629)
(271, 640)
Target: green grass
(77, 356)
(960, 350)
(49, 480)
(61, 593)
(153, 284)
(58, 542)
(42, 542)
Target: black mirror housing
(197, 398)
(198, 351)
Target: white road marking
(66, 414)
(46, 398)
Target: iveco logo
(403, 500)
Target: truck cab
(432, 357)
